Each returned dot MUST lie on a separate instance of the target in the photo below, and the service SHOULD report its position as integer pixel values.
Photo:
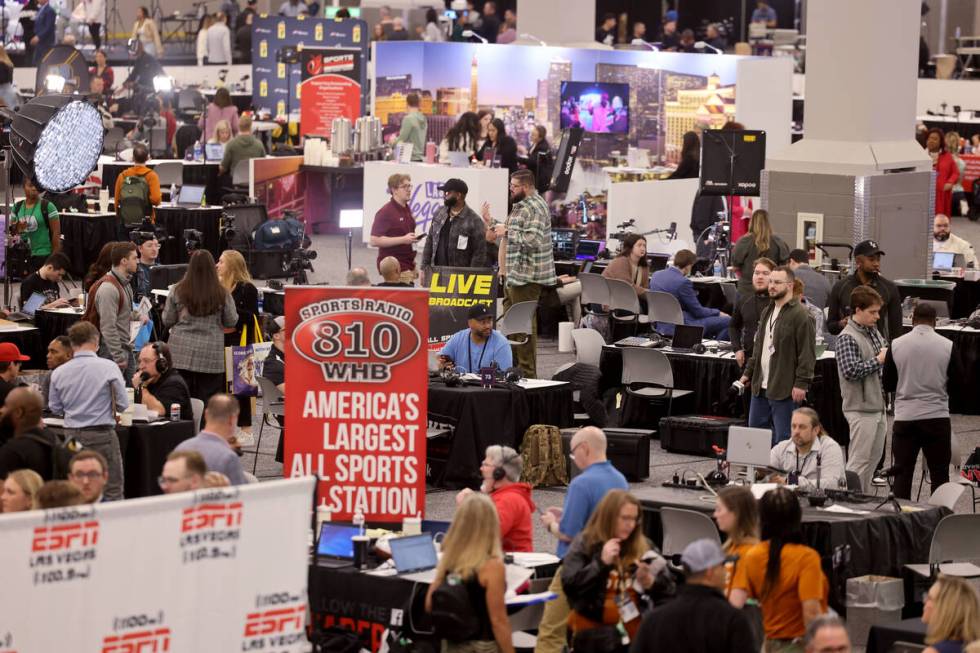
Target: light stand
(8, 202)
(726, 252)
(351, 219)
(288, 56)
(113, 21)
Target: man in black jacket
(867, 259)
(32, 445)
(699, 619)
(745, 317)
(457, 235)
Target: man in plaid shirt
(529, 265)
(861, 353)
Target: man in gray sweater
(114, 305)
(918, 368)
(861, 353)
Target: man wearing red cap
(10, 362)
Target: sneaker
(879, 481)
(245, 438)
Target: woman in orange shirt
(783, 574)
(609, 573)
(737, 516)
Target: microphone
(819, 463)
(672, 231)
(144, 377)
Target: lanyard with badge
(771, 328)
(627, 608)
(469, 354)
(793, 478)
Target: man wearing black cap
(457, 235)
(700, 618)
(867, 261)
(478, 346)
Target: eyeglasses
(572, 452)
(405, 187)
(164, 481)
(86, 476)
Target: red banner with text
(331, 88)
(356, 374)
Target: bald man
(31, 446)
(358, 276)
(945, 241)
(596, 478)
(214, 440)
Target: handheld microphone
(672, 231)
(144, 377)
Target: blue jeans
(767, 413)
(715, 328)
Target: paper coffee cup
(104, 200)
(411, 526)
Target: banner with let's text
(357, 376)
(223, 569)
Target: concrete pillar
(558, 22)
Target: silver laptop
(942, 261)
(459, 159)
(190, 195)
(749, 446)
(415, 556)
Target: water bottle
(359, 521)
(204, 200)
(173, 194)
(322, 515)
(717, 271)
(198, 151)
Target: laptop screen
(588, 250)
(413, 553)
(214, 151)
(335, 541)
(686, 336)
(942, 260)
(749, 446)
(190, 195)
(33, 303)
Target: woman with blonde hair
(472, 557)
(146, 32)
(222, 133)
(951, 614)
(20, 491)
(234, 277)
(758, 242)
(609, 565)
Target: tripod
(8, 201)
(890, 499)
(113, 21)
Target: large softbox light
(67, 62)
(56, 141)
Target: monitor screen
(330, 12)
(563, 244)
(335, 540)
(597, 107)
(214, 151)
(942, 260)
(190, 195)
(413, 553)
(588, 250)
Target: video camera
(300, 261)
(226, 227)
(147, 231)
(193, 239)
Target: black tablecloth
(483, 417)
(712, 295)
(711, 377)
(177, 218)
(966, 296)
(880, 542)
(194, 174)
(144, 449)
(881, 638)
(964, 392)
(52, 324)
(84, 236)
(29, 343)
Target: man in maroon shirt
(393, 231)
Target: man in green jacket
(414, 127)
(783, 358)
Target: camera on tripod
(226, 227)
(300, 261)
(193, 239)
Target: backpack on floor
(542, 455)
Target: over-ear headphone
(699, 348)
(499, 473)
(162, 364)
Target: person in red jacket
(947, 173)
(501, 472)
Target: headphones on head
(499, 473)
(162, 364)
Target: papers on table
(758, 489)
(844, 510)
(531, 384)
(535, 559)
(530, 599)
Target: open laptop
(749, 446)
(415, 556)
(942, 261)
(588, 250)
(459, 159)
(190, 195)
(334, 548)
(685, 337)
(214, 151)
(27, 311)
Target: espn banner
(452, 293)
(214, 570)
(356, 410)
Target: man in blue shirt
(586, 490)
(674, 280)
(764, 14)
(88, 391)
(478, 346)
(213, 442)
(43, 39)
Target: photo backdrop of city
(669, 93)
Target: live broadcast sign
(181, 572)
(356, 408)
(452, 293)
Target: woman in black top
(504, 146)
(472, 557)
(538, 158)
(690, 165)
(233, 275)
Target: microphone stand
(890, 499)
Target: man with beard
(477, 346)
(867, 259)
(457, 233)
(32, 443)
(945, 241)
(745, 318)
(783, 357)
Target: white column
(558, 22)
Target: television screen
(596, 107)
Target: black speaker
(732, 161)
(561, 173)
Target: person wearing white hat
(700, 619)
